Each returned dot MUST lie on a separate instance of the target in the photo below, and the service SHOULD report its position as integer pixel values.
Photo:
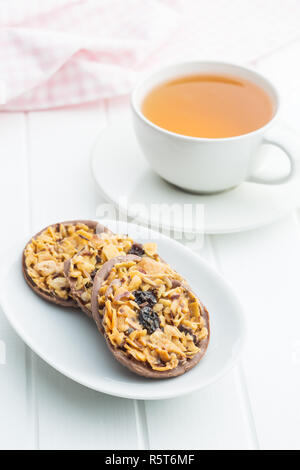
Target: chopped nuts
(98, 250)
(150, 249)
(110, 251)
(147, 322)
(46, 253)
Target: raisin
(93, 273)
(142, 297)
(136, 249)
(148, 319)
(187, 331)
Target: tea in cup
(200, 125)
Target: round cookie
(81, 269)
(44, 256)
(152, 321)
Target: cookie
(152, 321)
(44, 256)
(81, 269)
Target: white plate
(70, 342)
(125, 179)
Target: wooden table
(45, 177)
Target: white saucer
(70, 342)
(125, 179)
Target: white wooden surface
(45, 177)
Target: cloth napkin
(64, 52)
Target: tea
(212, 106)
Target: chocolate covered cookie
(81, 269)
(152, 321)
(45, 254)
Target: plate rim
(180, 391)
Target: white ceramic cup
(206, 165)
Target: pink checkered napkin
(64, 52)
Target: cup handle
(291, 148)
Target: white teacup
(207, 165)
